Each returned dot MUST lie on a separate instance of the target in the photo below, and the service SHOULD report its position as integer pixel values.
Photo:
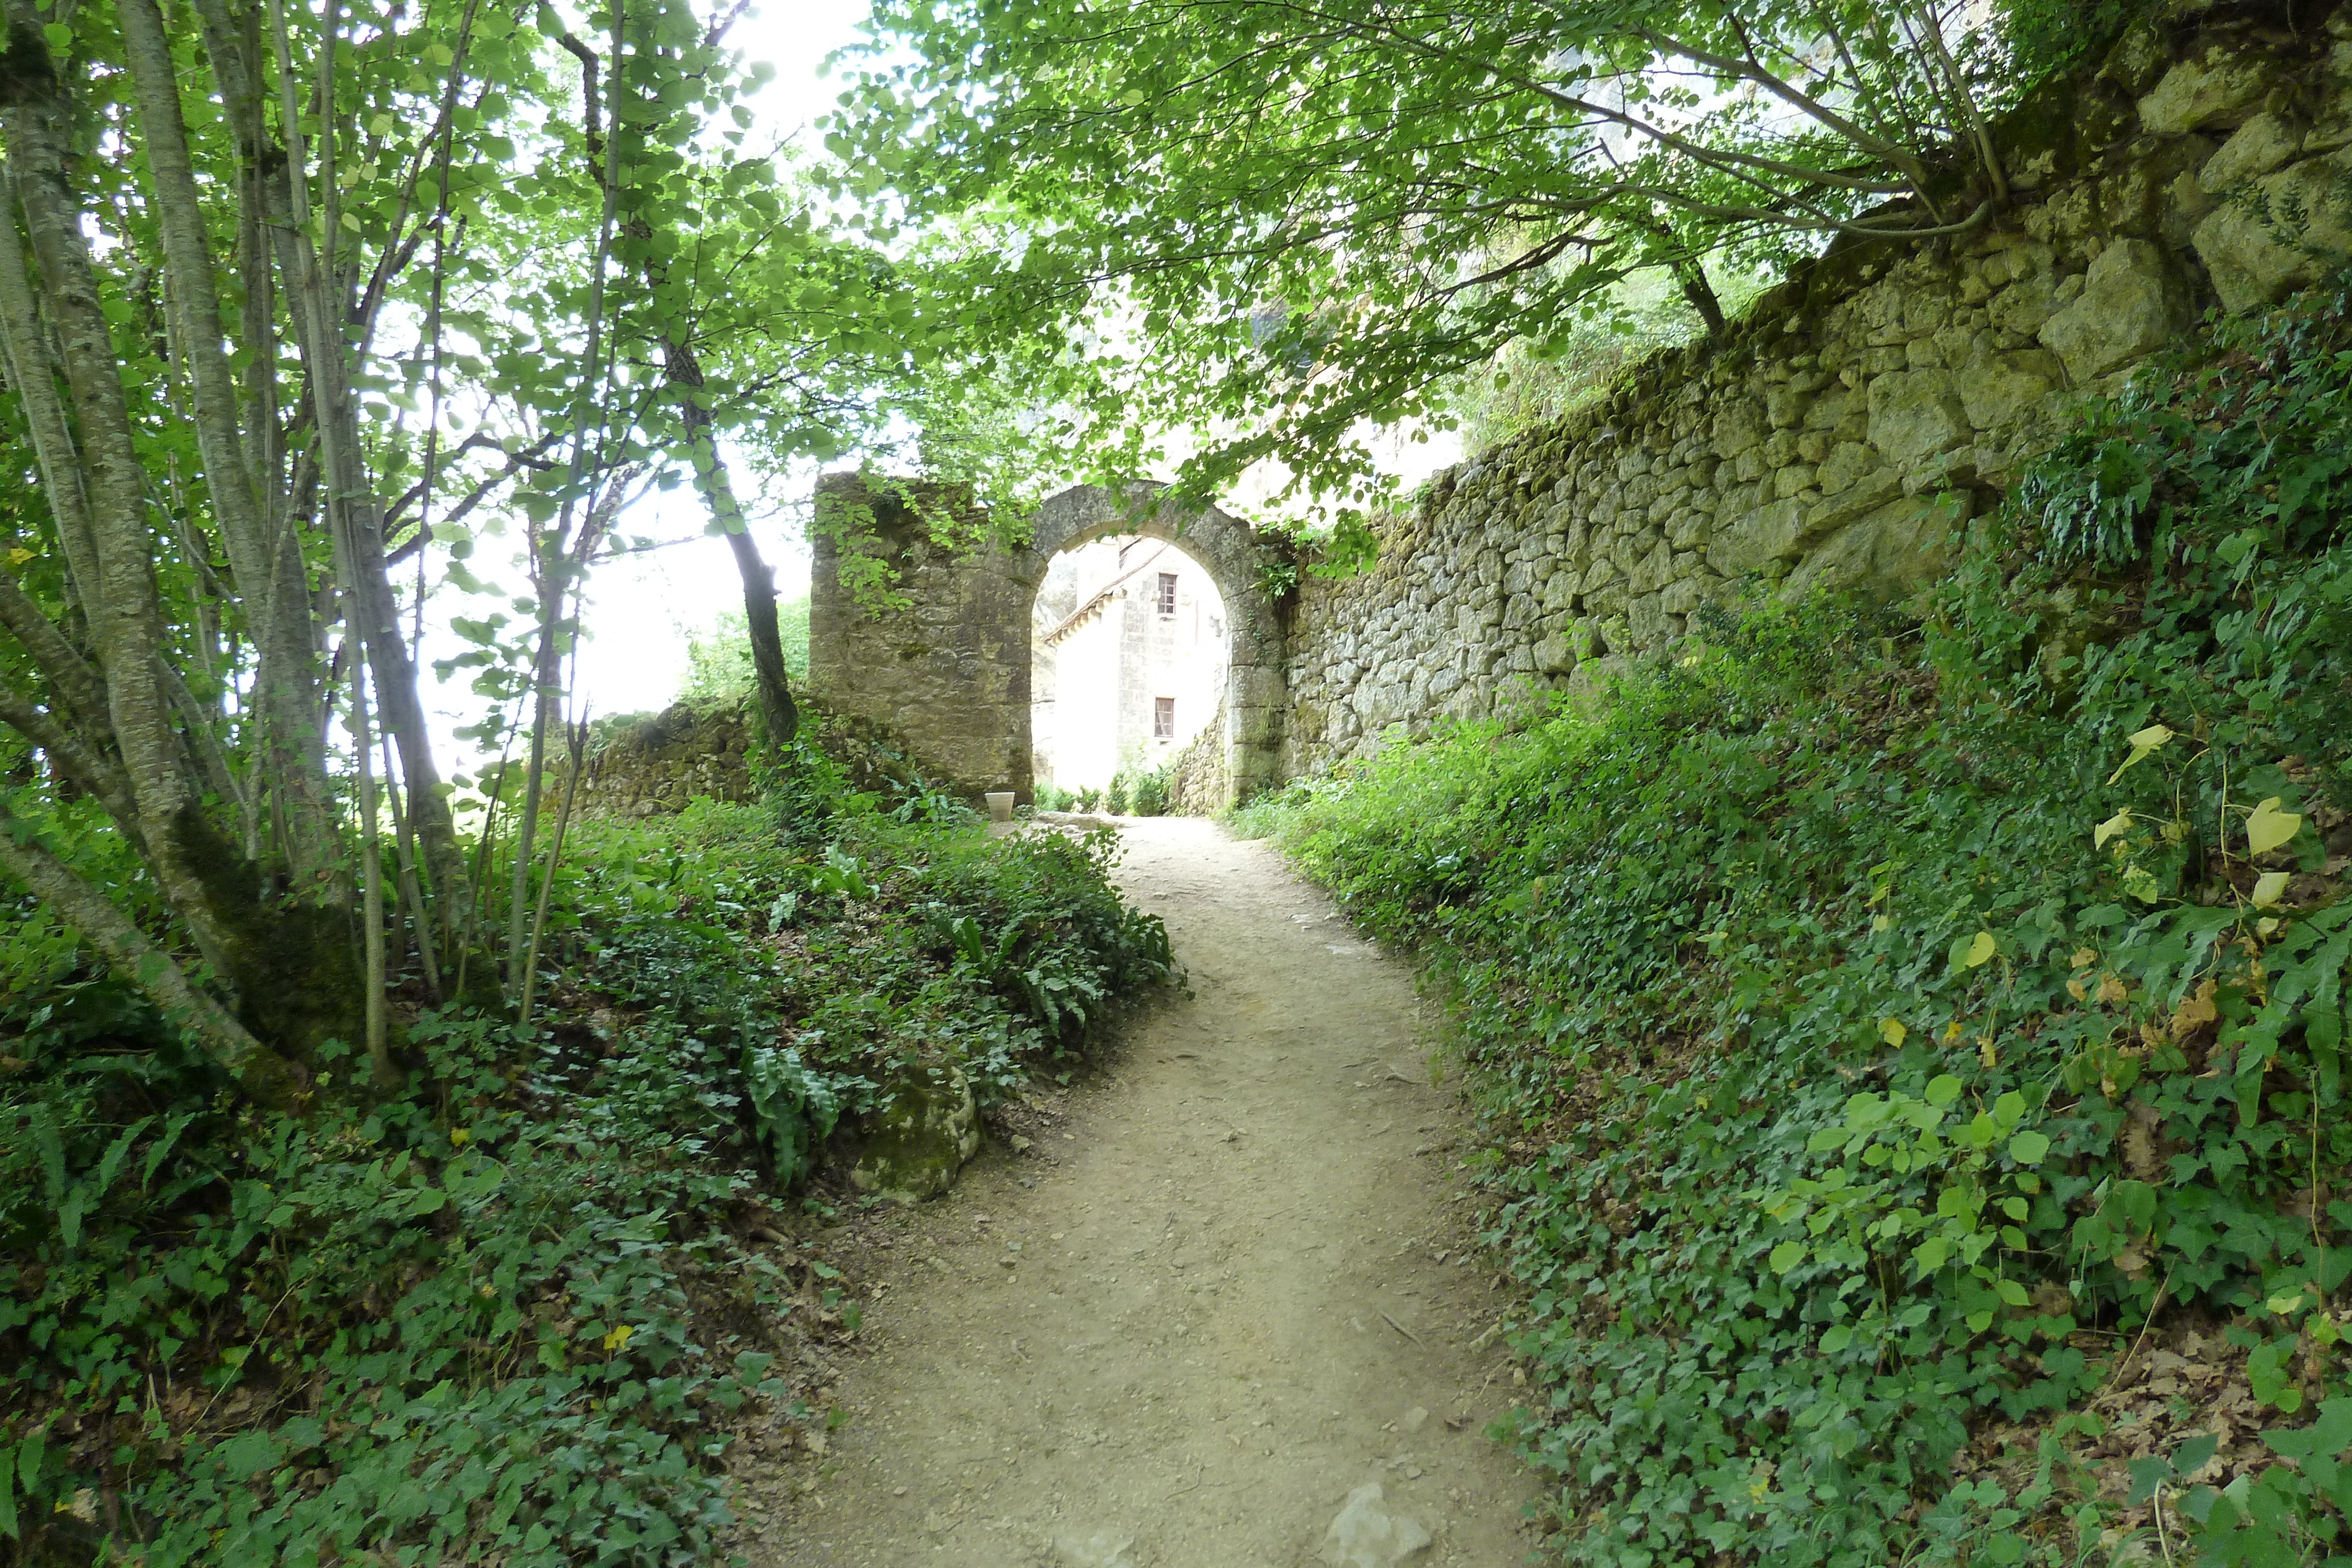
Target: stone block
(2259, 146)
(1866, 493)
(2253, 254)
(1847, 462)
(2131, 304)
(1765, 534)
(1995, 388)
(1646, 618)
(1253, 686)
(1691, 530)
(2022, 308)
(1885, 555)
(1916, 414)
(2215, 89)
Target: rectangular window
(1163, 718)
(1167, 593)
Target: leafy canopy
(1283, 220)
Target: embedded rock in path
(913, 1148)
(1100, 1549)
(1367, 1535)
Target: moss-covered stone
(913, 1148)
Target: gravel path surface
(1222, 1295)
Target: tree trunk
(711, 481)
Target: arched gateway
(946, 674)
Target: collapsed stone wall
(654, 764)
(1837, 437)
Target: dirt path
(1222, 1293)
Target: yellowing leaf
(2267, 827)
(2111, 989)
(2084, 958)
(1882, 922)
(1952, 1032)
(2142, 743)
(1980, 951)
(2269, 888)
(2119, 822)
(351, 223)
(460, 1134)
(2285, 1304)
(19, 556)
(1892, 1031)
(619, 1338)
(2196, 1009)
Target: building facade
(1127, 660)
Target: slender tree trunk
(717, 488)
(285, 657)
(124, 611)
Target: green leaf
(2142, 743)
(1981, 950)
(2267, 827)
(60, 36)
(1786, 1256)
(2015, 1294)
(1942, 1088)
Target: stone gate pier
(946, 668)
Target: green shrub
(1885, 1033)
(500, 1316)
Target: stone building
(1127, 660)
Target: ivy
(1895, 1034)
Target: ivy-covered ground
(1913, 1043)
(517, 1313)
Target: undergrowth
(1913, 1048)
(517, 1313)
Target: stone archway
(1256, 692)
(946, 677)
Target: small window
(1167, 598)
(1163, 709)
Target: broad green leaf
(2029, 1148)
(2142, 743)
(1980, 951)
(1942, 1088)
(2267, 827)
(1786, 1256)
(2012, 1292)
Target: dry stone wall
(1842, 434)
(653, 765)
